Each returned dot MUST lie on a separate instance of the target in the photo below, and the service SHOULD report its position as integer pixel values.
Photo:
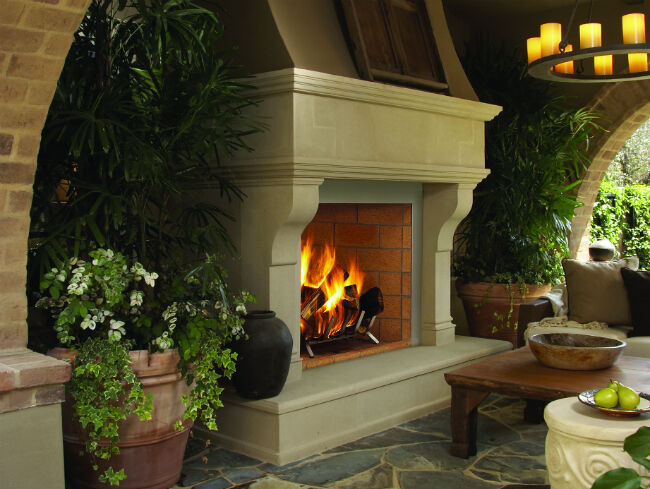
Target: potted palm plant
(509, 247)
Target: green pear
(627, 398)
(613, 385)
(607, 398)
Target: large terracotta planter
(487, 308)
(151, 451)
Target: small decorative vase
(263, 359)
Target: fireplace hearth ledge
(336, 404)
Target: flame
(319, 270)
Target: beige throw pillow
(596, 291)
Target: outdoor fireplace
(338, 147)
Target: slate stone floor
(413, 455)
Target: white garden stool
(583, 443)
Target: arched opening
(625, 107)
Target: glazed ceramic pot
(263, 359)
(151, 451)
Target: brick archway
(625, 106)
(35, 37)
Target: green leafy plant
(637, 446)
(102, 307)
(145, 107)
(517, 230)
(622, 215)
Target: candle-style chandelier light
(551, 57)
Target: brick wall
(378, 236)
(35, 37)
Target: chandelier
(551, 57)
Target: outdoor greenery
(622, 215)
(102, 309)
(517, 230)
(632, 163)
(127, 179)
(637, 446)
(145, 107)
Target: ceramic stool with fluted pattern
(583, 443)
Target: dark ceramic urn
(263, 359)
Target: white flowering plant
(106, 305)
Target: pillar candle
(534, 47)
(637, 62)
(590, 35)
(633, 29)
(551, 35)
(603, 65)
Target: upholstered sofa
(602, 298)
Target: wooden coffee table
(517, 373)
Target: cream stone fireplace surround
(326, 127)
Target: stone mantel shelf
(310, 82)
(284, 170)
(281, 170)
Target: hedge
(622, 215)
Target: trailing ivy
(622, 215)
(105, 391)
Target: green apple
(627, 398)
(607, 398)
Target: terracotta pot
(151, 451)
(263, 359)
(487, 308)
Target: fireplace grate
(361, 328)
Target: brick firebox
(378, 238)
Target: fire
(326, 290)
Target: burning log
(316, 298)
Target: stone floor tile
(435, 423)
(378, 478)
(270, 482)
(220, 457)
(326, 471)
(522, 448)
(440, 480)
(389, 438)
(219, 483)
(191, 476)
(425, 456)
(274, 469)
(493, 432)
(238, 475)
(525, 470)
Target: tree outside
(632, 163)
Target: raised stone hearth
(337, 139)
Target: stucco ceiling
(528, 6)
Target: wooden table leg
(534, 411)
(464, 415)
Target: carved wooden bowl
(570, 351)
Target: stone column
(272, 219)
(444, 205)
